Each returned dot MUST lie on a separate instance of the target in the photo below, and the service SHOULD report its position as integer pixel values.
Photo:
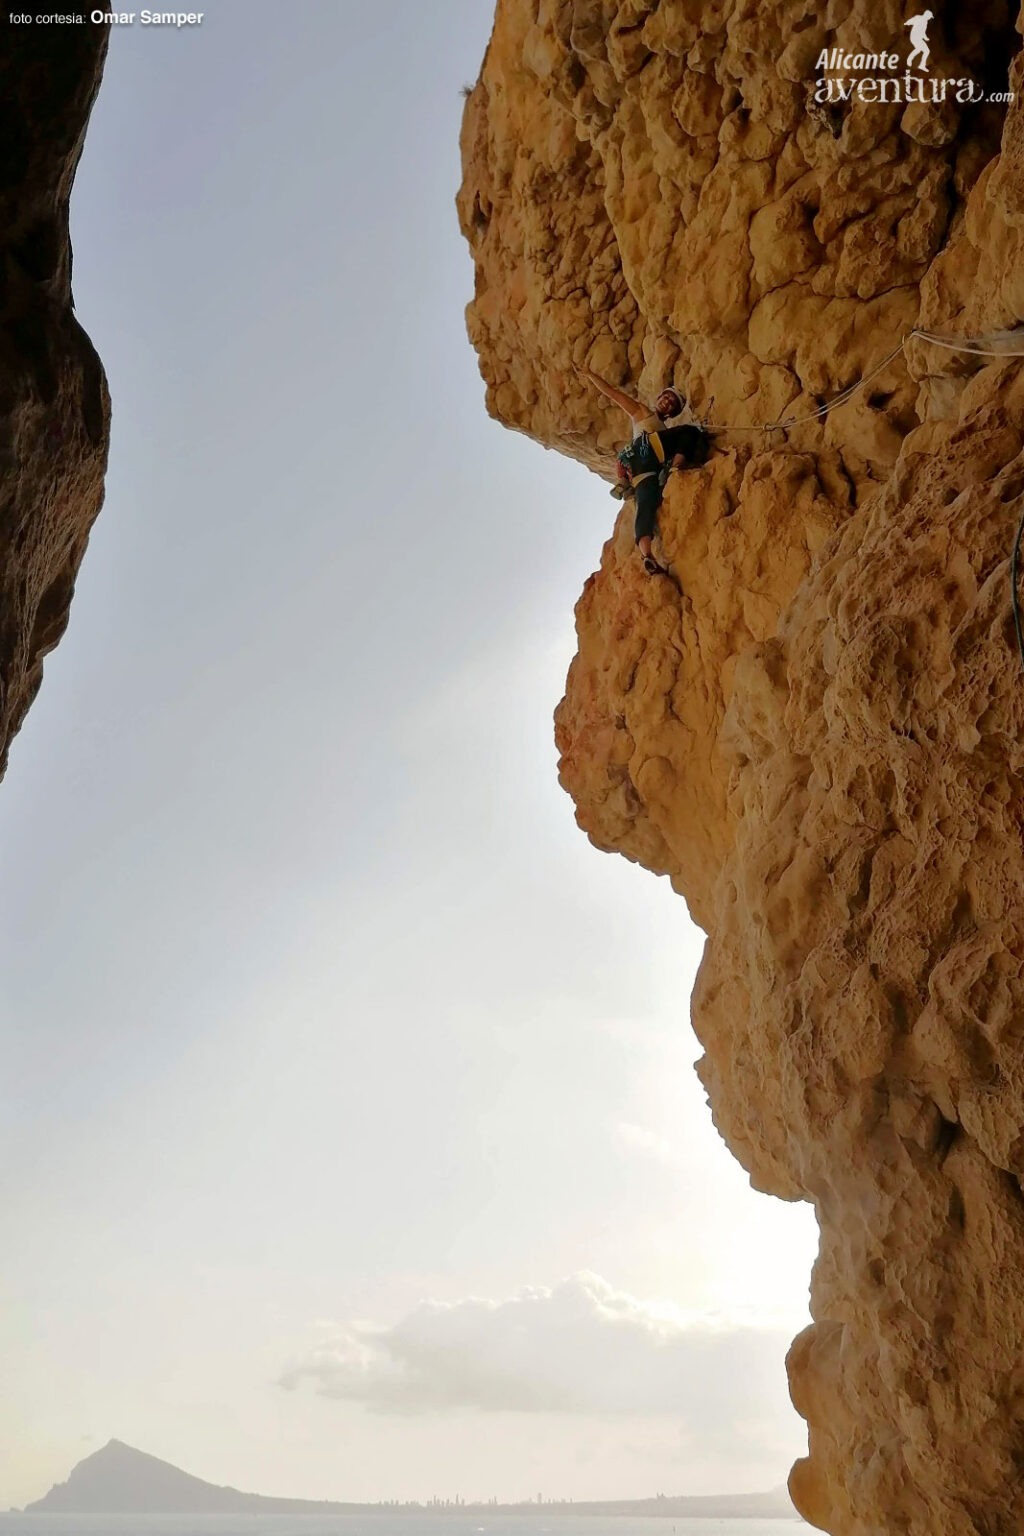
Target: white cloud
(648, 1143)
(579, 1347)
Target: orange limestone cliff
(54, 405)
(819, 735)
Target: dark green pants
(647, 500)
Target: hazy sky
(349, 1137)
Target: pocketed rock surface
(818, 734)
(54, 404)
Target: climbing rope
(798, 421)
(993, 344)
(970, 345)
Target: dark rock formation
(54, 404)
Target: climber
(656, 450)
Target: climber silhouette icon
(918, 26)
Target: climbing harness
(636, 460)
(1004, 343)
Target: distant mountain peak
(119, 1479)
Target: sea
(439, 1524)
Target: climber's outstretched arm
(633, 408)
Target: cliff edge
(819, 735)
(54, 404)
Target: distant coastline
(120, 1480)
